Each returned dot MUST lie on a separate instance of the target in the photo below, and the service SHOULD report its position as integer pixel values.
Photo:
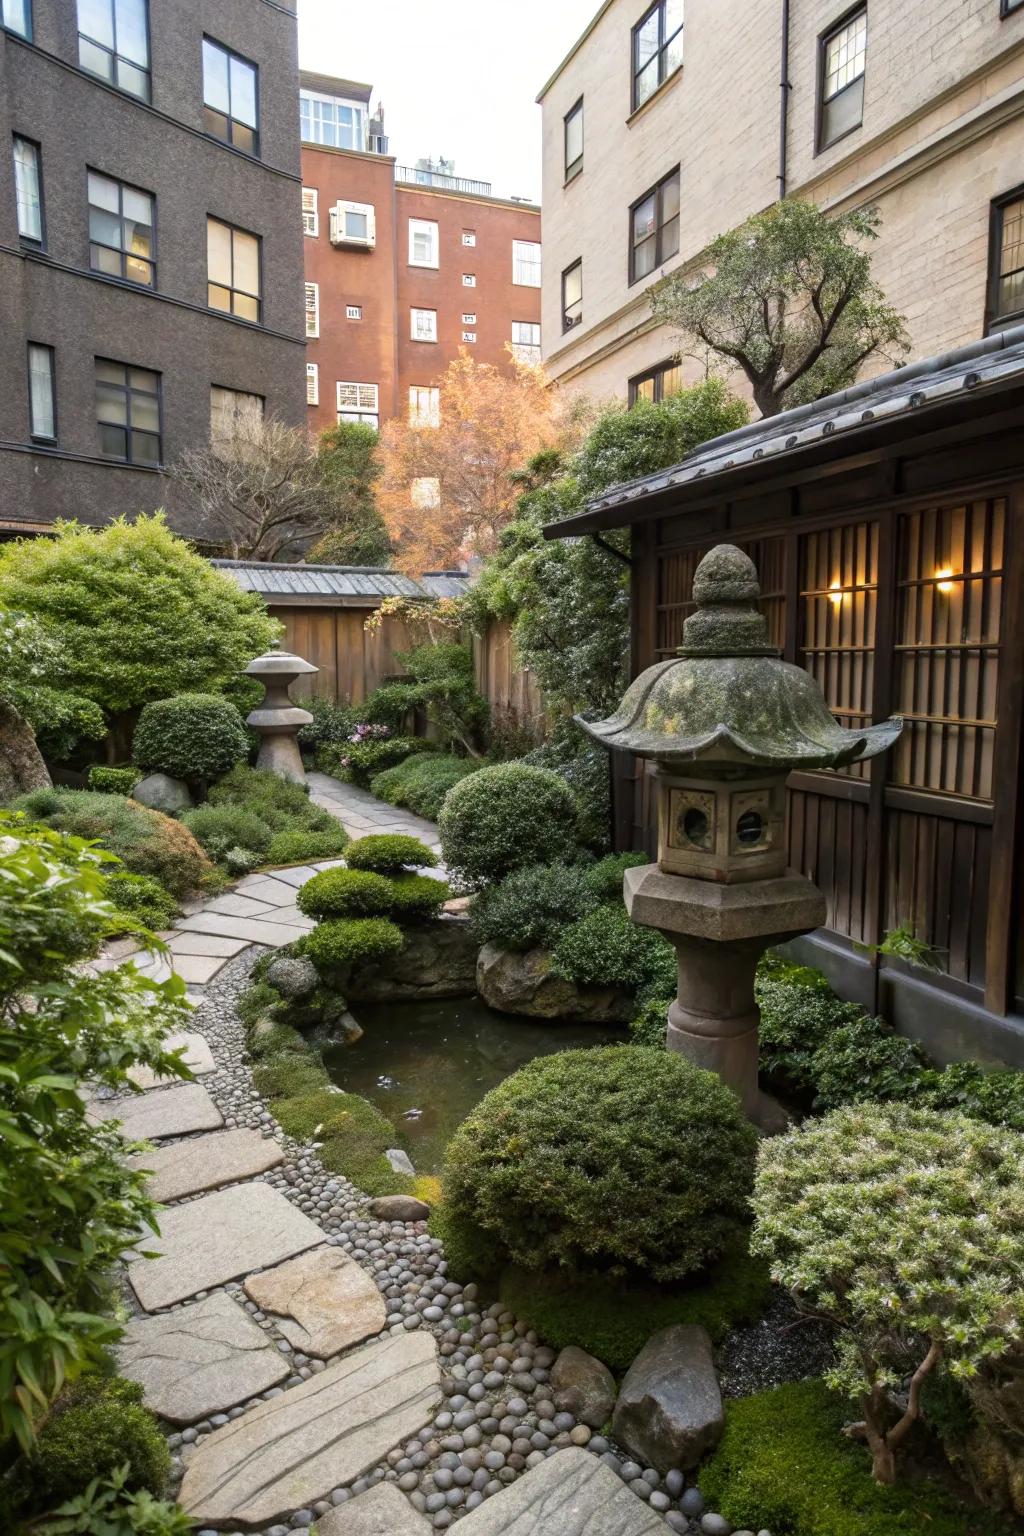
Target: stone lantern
(277, 720)
(725, 722)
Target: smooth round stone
(473, 1435)
(443, 1519)
(629, 1471)
(435, 1501)
(598, 1444)
(443, 1479)
(650, 1476)
(455, 1497)
(474, 1499)
(677, 1522)
(563, 1421)
(674, 1483)
(463, 1476)
(641, 1488)
(692, 1503)
(715, 1525)
(471, 1458)
(494, 1460)
(517, 1406)
(580, 1434)
(660, 1501)
(303, 1519)
(408, 1481)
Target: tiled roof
(347, 582)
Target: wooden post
(1006, 823)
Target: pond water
(425, 1065)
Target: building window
(233, 270)
(423, 243)
(1007, 7)
(424, 324)
(230, 92)
(657, 383)
(353, 311)
(424, 406)
(469, 279)
(526, 341)
(121, 226)
(310, 213)
(572, 295)
(574, 141)
(469, 336)
(16, 16)
(425, 492)
(657, 48)
(332, 120)
(113, 42)
(841, 92)
(359, 402)
(312, 309)
(469, 318)
(1006, 262)
(312, 384)
(526, 263)
(28, 189)
(654, 227)
(354, 224)
(128, 412)
(42, 395)
(229, 409)
(469, 237)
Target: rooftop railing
(422, 178)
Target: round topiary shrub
(417, 897)
(193, 736)
(345, 893)
(347, 941)
(624, 1160)
(388, 853)
(504, 818)
(532, 906)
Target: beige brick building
(663, 128)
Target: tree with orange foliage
(446, 488)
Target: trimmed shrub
(193, 736)
(389, 853)
(606, 876)
(414, 898)
(112, 781)
(421, 783)
(798, 1012)
(648, 1028)
(358, 761)
(220, 827)
(303, 847)
(865, 1059)
(996, 1097)
(503, 818)
(142, 897)
(345, 893)
(353, 1137)
(532, 906)
(344, 942)
(280, 802)
(606, 949)
(331, 722)
(584, 767)
(621, 1160)
(784, 1463)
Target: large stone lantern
(277, 720)
(725, 722)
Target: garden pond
(427, 1064)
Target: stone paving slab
(289, 1453)
(273, 935)
(568, 1494)
(268, 888)
(217, 1238)
(205, 1162)
(297, 875)
(198, 1057)
(168, 1112)
(380, 1511)
(231, 904)
(199, 1360)
(204, 944)
(197, 970)
(323, 1301)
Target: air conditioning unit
(353, 224)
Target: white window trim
(363, 406)
(469, 336)
(469, 237)
(469, 279)
(469, 318)
(415, 316)
(359, 117)
(415, 227)
(418, 416)
(312, 310)
(310, 212)
(534, 245)
(312, 384)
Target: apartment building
(406, 266)
(669, 123)
(150, 245)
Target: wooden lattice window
(675, 589)
(947, 647)
(838, 607)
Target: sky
(457, 78)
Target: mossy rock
(353, 1135)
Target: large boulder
(583, 1386)
(293, 976)
(399, 1208)
(438, 959)
(669, 1410)
(511, 982)
(21, 763)
(161, 792)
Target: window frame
(664, 74)
(229, 54)
(531, 345)
(247, 394)
(113, 83)
(572, 169)
(30, 240)
(435, 243)
(123, 252)
(357, 415)
(312, 379)
(42, 346)
(432, 417)
(236, 229)
(995, 318)
(415, 311)
(360, 120)
(312, 213)
(657, 373)
(660, 256)
(567, 324)
(314, 334)
(536, 245)
(5, 26)
(129, 390)
(1006, 7)
(824, 38)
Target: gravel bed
(781, 1346)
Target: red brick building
(405, 266)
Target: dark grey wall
(54, 299)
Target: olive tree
(904, 1228)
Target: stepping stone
(268, 888)
(169, 1112)
(200, 1360)
(204, 1162)
(380, 1511)
(247, 928)
(571, 1493)
(323, 1302)
(197, 970)
(198, 1057)
(205, 944)
(289, 1453)
(233, 905)
(296, 876)
(218, 1238)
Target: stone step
(323, 1301)
(219, 1237)
(380, 1511)
(252, 930)
(291, 1452)
(206, 1162)
(167, 1112)
(198, 1058)
(568, 1494)
(199, 1360)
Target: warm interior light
(942, 579)
(835, 592)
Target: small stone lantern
(725, 722)
(277, 720)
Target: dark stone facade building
(150, 245)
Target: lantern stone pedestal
(720, 933)
(277, 720)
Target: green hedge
(361, 893)
(194, 736)
(113, 781)
(389, 853)
(142, 897)
(219, 828)
(420, 783)
(304, 847)
(359, 761)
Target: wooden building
(887, 523)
